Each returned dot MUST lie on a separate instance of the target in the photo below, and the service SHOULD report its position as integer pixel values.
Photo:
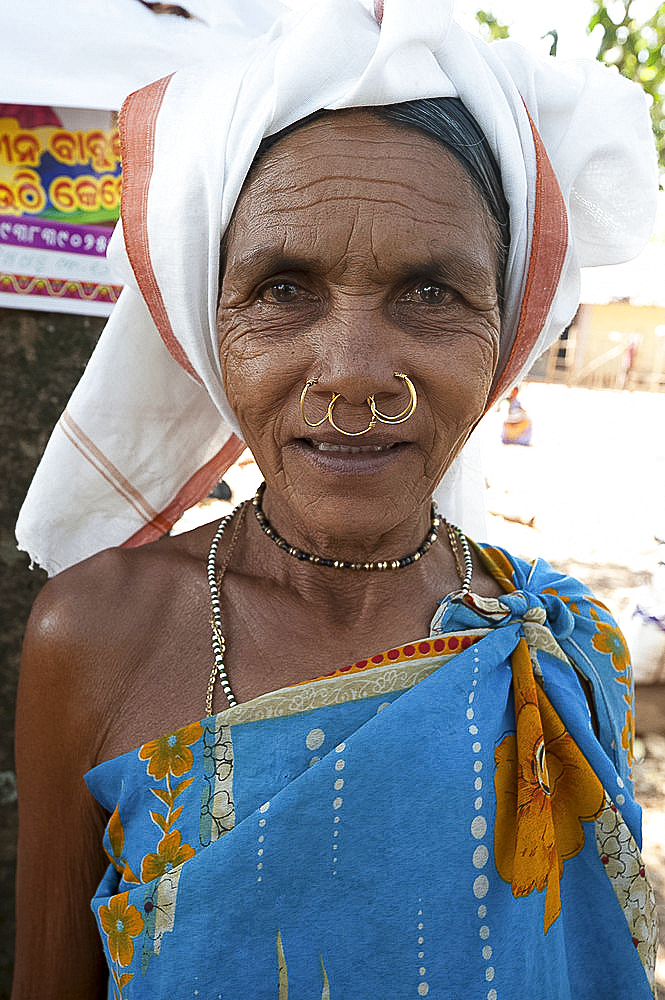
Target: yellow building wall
(625, 319)
(595, 350)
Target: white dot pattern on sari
(478, 829)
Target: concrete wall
(41, 358)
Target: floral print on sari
(607, 640)
(545, 789)
(171, 755)
(243, 801)
(168, 757)
(121, 922)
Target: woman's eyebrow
(462, 262)
(271, 259)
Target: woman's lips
(349, 459)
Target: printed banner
(60, 180)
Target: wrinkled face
(357, 250)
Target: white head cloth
(148, 430)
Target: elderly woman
(412, 778)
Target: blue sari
(444, 819)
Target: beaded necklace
(456, 537)
(408, 560)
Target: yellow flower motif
(171, 754)
(544, 790)
(628, 735)
(572, 605)
(170, 854)
(116, 835)
(608, 639)
(121, 923)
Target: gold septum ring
(377, 416)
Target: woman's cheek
(253, 382)
(243, 352)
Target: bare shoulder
(116, 590)
(103, 577)
(99, 630)
(81, 609)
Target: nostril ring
(384, 418)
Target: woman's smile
(344, 459)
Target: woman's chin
(352, 504)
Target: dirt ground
(588, 495)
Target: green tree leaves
(629, 41)
(636, 47)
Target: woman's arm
(60, 855)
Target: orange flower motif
(572, 605)
(121, 923)
(608, 639)
(116, 835)
(170, 854)
(544, 790)
(628, 735)
(171, 754)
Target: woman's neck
(346, 595)
(338, 533)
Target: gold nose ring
(328, 415)
(384, 418)
(408, 410)
(351, 434)
(308, 385)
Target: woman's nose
(357, 355)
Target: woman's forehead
(351, 144)
(351, 169)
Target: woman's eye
(427, 293)
(430, 293)
(280, 291)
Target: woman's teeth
(348, 449)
